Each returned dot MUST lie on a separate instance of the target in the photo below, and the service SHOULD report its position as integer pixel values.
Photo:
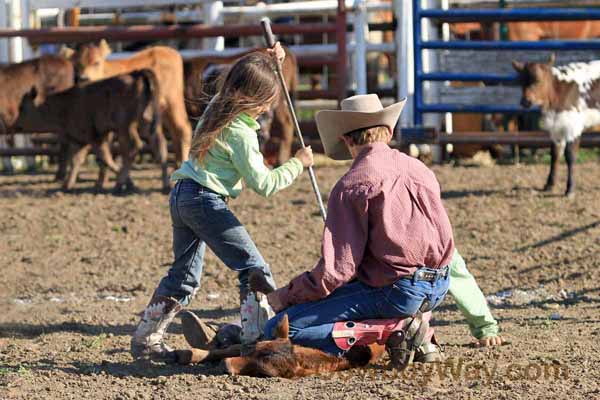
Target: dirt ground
(78, 268)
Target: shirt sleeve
(344, 242)
(470, 300)
(249, 162)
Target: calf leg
(159, 148)
(62, 160)
(286, 124)
(571, 157)
(123, 177)
(176, 120)
(76, 161)
(554, 154)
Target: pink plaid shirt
(385, 219)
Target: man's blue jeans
(200, 217)
(311, 323)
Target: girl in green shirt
(225, 153)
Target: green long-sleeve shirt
(236, 156)
(470, 300)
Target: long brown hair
(250, 83)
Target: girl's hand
(305, 156)
(277, 52)
(490, 341)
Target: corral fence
(488, 62)
(347, 21)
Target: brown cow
(91, 64)
(281, 358)
(47, 75)
(201, 76)
(120, 104)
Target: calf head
(89, 60)
(537, 82)
(281, 358)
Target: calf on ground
(569, 97)
(281, 358)
(86, 116)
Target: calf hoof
(548, 187)
(570, 194)
(197, 333)
(166, 189)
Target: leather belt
(428, 274)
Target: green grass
(543, 156)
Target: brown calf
(91, 64)
(281, 358)
(47, 75)
(569, 97)
(201, 75)
(85, 117)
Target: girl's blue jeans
(311, 323)
(201, 218)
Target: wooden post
(341, 72)
(72, 16)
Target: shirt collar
(371, 148)
(249, 121)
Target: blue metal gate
(486, 15)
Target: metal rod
(515, 14)
(266, 26)
(141, 32)
(519, 45)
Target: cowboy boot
(401, 345)
(148, 339)
(429, 352)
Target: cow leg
(554, 154)
(176, 120)
(123, 177)
(159, 148)
(286, 124)
(62, 160)
(77, 159)
(571, 157)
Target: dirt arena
(78, 268)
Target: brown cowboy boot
(401, 346)
(148, 339)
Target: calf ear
(235, 365)
(518, 66)
(282, 330)
(105, 48)
(552, 59)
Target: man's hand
(277, 53)
(274, 302)
(490, 341)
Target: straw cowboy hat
(360, 111)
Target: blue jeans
(201, 217)
(311, 323)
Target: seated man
(387, 241)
